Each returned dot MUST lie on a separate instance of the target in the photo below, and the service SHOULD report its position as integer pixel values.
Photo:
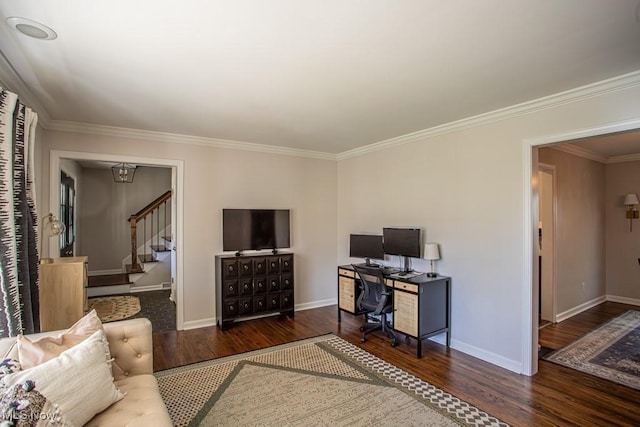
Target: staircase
(146, 222)
(150, 260)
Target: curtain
(19, 308)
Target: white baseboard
(623, 300)
(202, 323)
(316, 304)
(487, 356)
(580, 308)
(104, 272)
(99, 291)
(146, 288)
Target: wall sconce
(52, 228)
(631, 201)
(432, 253)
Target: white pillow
(78, 382)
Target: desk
(421, 304)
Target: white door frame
(551, 170)
(530, 229)
(177, 172)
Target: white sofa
(131, 346)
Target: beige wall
(104, 208)
(623, 246)
(466, 189)
(580, 228)
(216, 178)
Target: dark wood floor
(556, 396)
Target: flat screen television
(366, 246)
(254, 229)
(402, 241)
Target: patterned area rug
(612, 351)
(110, 309)
(319, 381)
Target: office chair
(374, 299)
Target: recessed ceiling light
(32, 28)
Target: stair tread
(108, 280)
(131, 270)
(147, 258)
(159, 248)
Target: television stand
(254, 285)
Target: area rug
(110, 309)
(319, 381)
(612, 351)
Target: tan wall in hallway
(580, 228)
(105, 207)
(623, 247)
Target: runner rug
(612, 351)
(319, 381)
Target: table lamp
(432, 253)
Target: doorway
(546, 245)
(177, 180)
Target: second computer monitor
(402, 241)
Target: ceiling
(321, 75)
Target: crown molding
(93, 129)
(625, 158)
(570, 96)
(10, 80)
(580, 152)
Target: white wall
(623, 246)
(465, 188)
(217, 178)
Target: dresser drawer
(406, 286)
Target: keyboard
(390, 270)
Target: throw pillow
(33, 353)
(78, 382)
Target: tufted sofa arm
(131, 346)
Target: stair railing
(140, 218)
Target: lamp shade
(431, 251)
(631, 199)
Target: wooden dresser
(63, 292)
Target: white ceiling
(321, 75)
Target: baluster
(144, 239)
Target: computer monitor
(366, 246)
(404, 242)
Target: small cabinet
(247, 286)
(63, 292)
(405, 312)
(348, 292)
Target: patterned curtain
(19, 308)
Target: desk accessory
(432, 253)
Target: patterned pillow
(23, 405)
(75, 385)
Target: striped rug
(320, 381)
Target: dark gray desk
(421, 304)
